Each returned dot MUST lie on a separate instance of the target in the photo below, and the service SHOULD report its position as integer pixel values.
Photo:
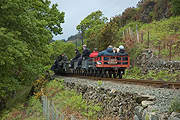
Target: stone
(144, 113)
(112, 91)
(146, 103)
(138, 111)
(153, 116)
(136, 117)
(164, 116)
(148, 97)
(174, 116)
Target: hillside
(75, 39)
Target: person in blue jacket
(107, 52)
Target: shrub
(175, 105)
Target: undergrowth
(135, 73)
(70, 102)
(175, 105)
(31, 110)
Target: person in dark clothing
(107, 52)
(85, 54)
(122, 52)
(78, 54)
(55, 65)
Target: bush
(175, 105)
(70, 101)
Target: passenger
(64, 57)
(115, 50)
(85, 55)
(78, 54)
(122, 51)
(94, 53)
(107, 52)
(56, 63)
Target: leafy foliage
(27, 111)
(25, 31)
(58, 47)
(71, 101)
(175, 105)
(175, 7)
(90, 28)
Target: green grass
(175, 105)
(31, 111)
(135, 73)
(20, 97)
(70, 102)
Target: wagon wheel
(102, 73)
(106, 74)
(110, 73)
(114, 75)
(98, 73)
(83, 72)
(94, 73)
(120, 76)
(91, 72)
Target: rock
(153, 116)
(174, 116)
(146, 103)
(136, 117)
(164, 116)
(144, 114)
(148, 97)
(112, 91)
(138, 111)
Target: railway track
(152, 83)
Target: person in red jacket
(94, 53)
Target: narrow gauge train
(104, 66)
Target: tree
(26, 28)
(58, 47)
(90, 27)
(175, 7)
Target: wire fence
(49, 110)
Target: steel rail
(152, 83)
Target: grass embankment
(67, 102)
(135, 73)
(70, 103)
(163, 38)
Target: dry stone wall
(121, 105)
(148, 61)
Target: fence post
(137, 33)
(142, 37)
(47, 108)
(148, 39)
(44, 106)
(170, 50)
(159, 47)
